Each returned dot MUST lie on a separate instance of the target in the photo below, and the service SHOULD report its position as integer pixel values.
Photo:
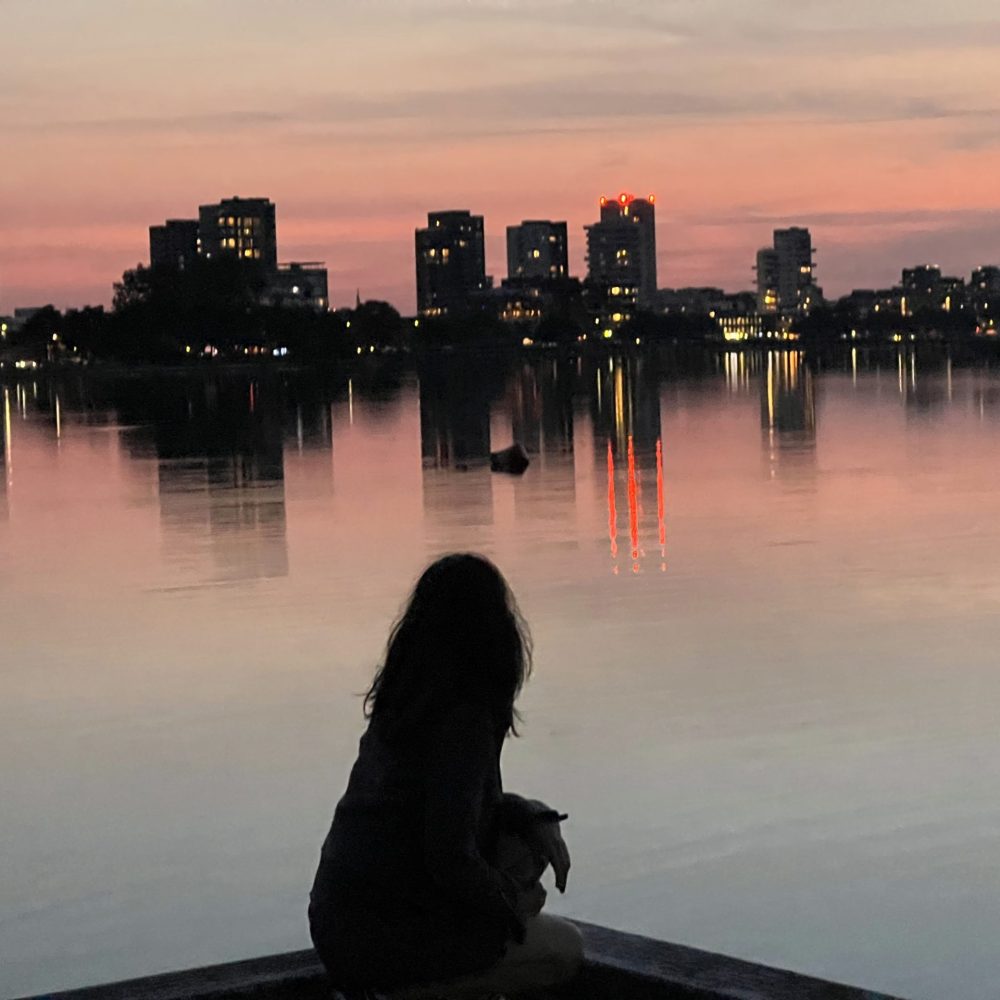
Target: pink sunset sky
(874, 124)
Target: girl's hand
(547, 840)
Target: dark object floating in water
(513, 460)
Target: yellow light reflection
(7, 443)
(770, 390)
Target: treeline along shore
(212, 312)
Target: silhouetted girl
(428, 879)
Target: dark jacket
(405, 892)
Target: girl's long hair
(459, 638)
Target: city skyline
(869, 126)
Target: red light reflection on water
(612, 509)
(635, 509)
(661, 521)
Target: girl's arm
(458, 761)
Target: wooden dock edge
(618, 966)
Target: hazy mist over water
(765, 604)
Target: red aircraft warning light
(624, 199)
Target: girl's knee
(570, 949)
(561, 946)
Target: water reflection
(455, 400)
(455, 397)
(123, 492)
(6, 468)
(788, 402)
(640, 530)
(540, 402)
(218, 448)
(626, 403)
(788, 413)
(739, 367)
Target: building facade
(174, 244)
(924, 287)
(537, 249)
(786, 280)
(303, 284)
(767, 280)
(240, 227)
(984, 294)
(621, 249)
(450, 262)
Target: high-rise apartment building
(796, 284)
(767, 280)
(174, 244)
(786, 280)
(536, 250)
(240, 227)
(621, 248)
(984, 292)
(986, 280)
(451, 262)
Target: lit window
(248, 252)
(231, 221)
(536, 254)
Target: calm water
(765, 605)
